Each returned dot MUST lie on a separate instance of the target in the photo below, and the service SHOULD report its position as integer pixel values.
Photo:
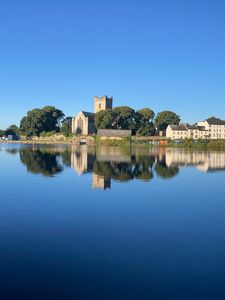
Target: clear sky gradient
(162, 54)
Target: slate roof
(113, 133)
(215, 121)
(89, 115)
(179, 127)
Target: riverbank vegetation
(199, 144)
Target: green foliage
(147, 129)
(44, 134)
(38, 120)
(66, 127)
(124, 117)
(104, 119)
(147, 114)
(2, 132)
(164, 118)
(96, 139)
(200, 144)
(12, 130)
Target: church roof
(89, 115)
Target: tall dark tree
(124, 118)
(164, 118)
(66, 126)
(12, 129)
(145, 126)
(2, 132)
(104, 119)
(39, 120)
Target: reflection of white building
(82, 159)
(79, 160)
(205, 161)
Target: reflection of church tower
(99, 182)
(102, 103)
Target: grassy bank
(216, 145)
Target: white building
(211, 128)
(182, 131)
(215, 127)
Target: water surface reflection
(115, 163)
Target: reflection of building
(83, 123)
(100, 182)
(205, 161)
(117, 154)
(82, 159)
(123, 164)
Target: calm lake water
(111, 223)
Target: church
(84, 122)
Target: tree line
(49, 119)
(141, 122)
(40, 121)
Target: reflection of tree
(143, 168)
(123, 171)
(103, 169)
(66, 157)
(12, 151)
(164, 171)
(41, 161)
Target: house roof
(193, 127)
(180, 127)
(215, 121)
(113, 133)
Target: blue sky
(160, 54)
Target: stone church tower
(84, 122)
(102, 103)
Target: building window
(99, 106)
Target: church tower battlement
(102, 103)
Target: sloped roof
(215, 121)
(89, 115)
(179, 127)
(113, 133)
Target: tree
(147, 114)
(145, 126)
(12, 130)
(164, 118)
(146, 130)
(66, 126)
(104, 119)
(124, 118)
(2, 132)
(39, 120)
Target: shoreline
(210, 146)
